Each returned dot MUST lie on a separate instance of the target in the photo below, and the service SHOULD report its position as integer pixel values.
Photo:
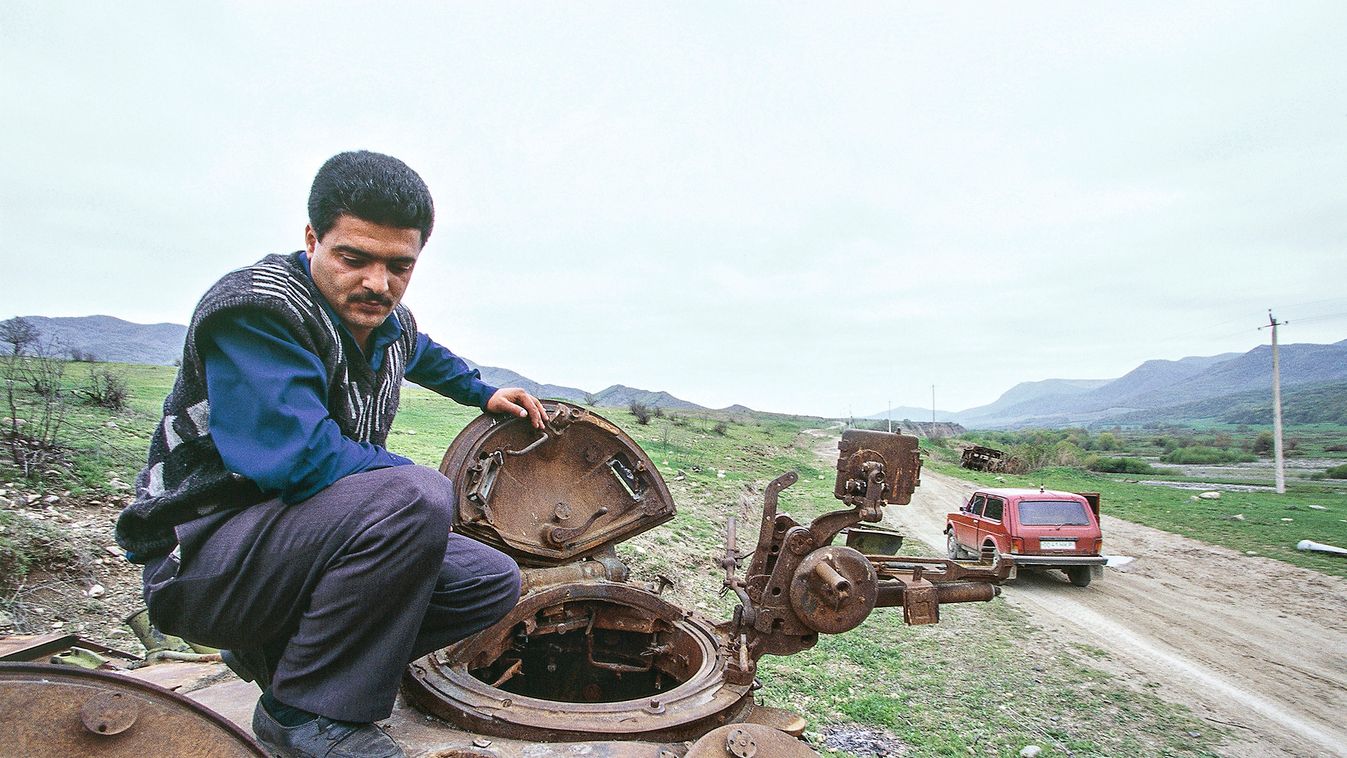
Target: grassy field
(983, 682)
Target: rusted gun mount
(799, 584)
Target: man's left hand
(516, 401)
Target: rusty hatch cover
(57, 711)
(550, 497)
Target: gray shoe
(250, 664)
(323, 738)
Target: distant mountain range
(111, 339)
(1230, 387)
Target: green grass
(967, 687)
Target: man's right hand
(516, 401)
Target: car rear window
(1053, 513)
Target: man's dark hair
(371, 186)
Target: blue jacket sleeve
(268, 410)
(432, 366)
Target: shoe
(250, 665)
(323, 738)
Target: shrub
(1203, 455)
(641, 411)
(1120, 466)
(721, 428)
(1262, 445)
(35, 405)
(106, 389)
(1106, 441)
(1337, 472)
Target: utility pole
(1277, 407)
(932, 403)
(889, 415)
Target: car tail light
(1099, 545)
(1016, 545)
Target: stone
(50, 499)
(1030, 751)
(1236, 517)
(97, 590)
(1210, 495)
(1311, 507)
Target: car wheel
(952, 547)
(1079, 575)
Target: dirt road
(1251, 643)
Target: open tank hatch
(581, 659)
(593, 651)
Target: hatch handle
(564, 535)
(531, 446)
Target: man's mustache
(373, 298)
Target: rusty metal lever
(560, 535)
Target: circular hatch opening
(625, 663)
(592, 651)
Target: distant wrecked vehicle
(980, 458)
(1035, 528)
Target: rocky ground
(79, 581)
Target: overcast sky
(815, 208)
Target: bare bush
(721, 428)
(36, 402)
(106, 389)
(641, 411)
(20, 333)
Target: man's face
(362, 269)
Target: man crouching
(271, 520)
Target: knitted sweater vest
(185, 477)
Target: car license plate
(1057, 544)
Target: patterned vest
(185, 478)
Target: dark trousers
(341, 591)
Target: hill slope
(111, 339)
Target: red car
(1037, 529)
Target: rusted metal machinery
(67, 711)
(588, 654)
(979, 458)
